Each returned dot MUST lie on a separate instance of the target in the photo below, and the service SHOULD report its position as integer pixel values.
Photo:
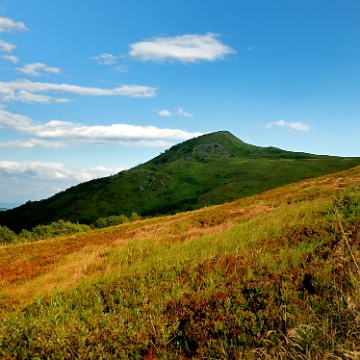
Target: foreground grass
(271, 276)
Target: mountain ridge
(209, 169)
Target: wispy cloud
(38, 69)
(186, 48)
(165, 113)
(31, 144)
(6, 47)
(180, 112)
(290, 126)
(106, 59)
(56, 133)
(11, 58)
(51, 171)
(26, 91)
(121, 68)
(9, 25)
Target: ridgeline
(207, 170)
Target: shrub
(110, 221)
(58, 228)
(6, 235)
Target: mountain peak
(221, 144)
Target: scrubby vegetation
(273, 276)
(60, 228)
(211, 169)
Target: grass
(272, 276)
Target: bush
(110, 221)
(26, 235)
(58, 228)
(6, 235)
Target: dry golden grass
(32, 269)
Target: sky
(92, 87)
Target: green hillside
(211, 169)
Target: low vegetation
(59, 228)
(272, 276)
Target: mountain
(210, 169)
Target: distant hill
(6, 206)
(210, 169)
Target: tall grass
(275, 281)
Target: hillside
(271, 276)
(211, 169)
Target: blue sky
(89, 88)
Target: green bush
(26, 236)
(110, 221)
(58, 228)
(6, 235)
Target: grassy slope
(188, 176)
(269, 276)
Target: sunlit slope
(211, 169)
(269, 276)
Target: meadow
(270, 276)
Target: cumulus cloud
(186, 48)
(9, 25)
(106, 59)
(38, 69)
(180, 112)
(25, 90)
(289, 126)
(6, 47)
(56, 133)
(11, 58)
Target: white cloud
(51, 171)
(38, 69)
(23, 90)
(106, 59)
(7, 47)
(22, 181)
(290, 126)
(165, 113)
(26, 96)
(180, 112)
(11, 58)
(185, 48)
(56, 133)
(31, 144)
(9, 25)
